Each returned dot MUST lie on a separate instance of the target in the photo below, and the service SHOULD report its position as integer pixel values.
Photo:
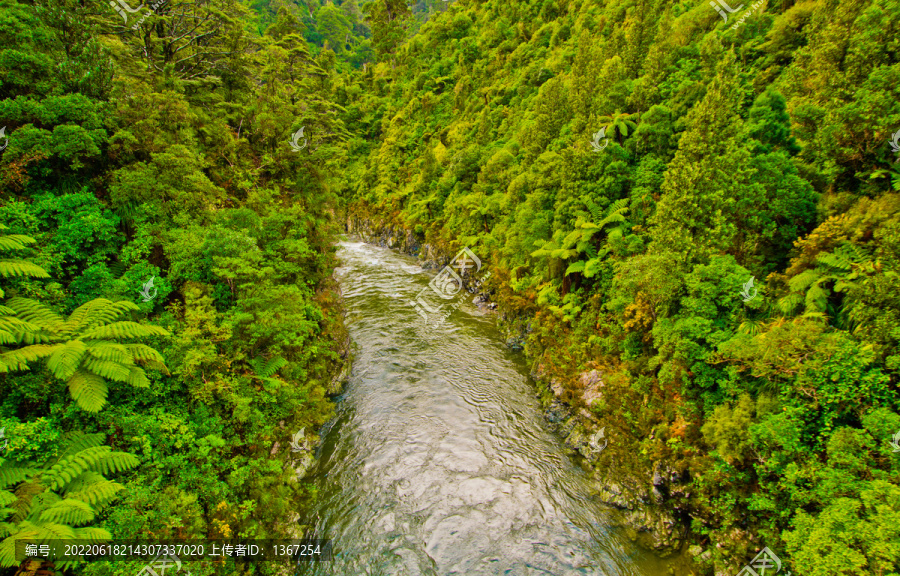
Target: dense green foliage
(166, 260)
(155, 154)
(355, 30)
(731, 152)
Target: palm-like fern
(580, 240)
(893, 173)
(84, 350)
(620, 123)
(54, 499)
(834, 271)
(583, 236)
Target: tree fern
(55, 497)
(83, 350)
(833, 272)
(582, 239)
(619, 123)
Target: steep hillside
(168, 321)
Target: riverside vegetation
(163, 153)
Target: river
(439, 461)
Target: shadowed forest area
(691, 215)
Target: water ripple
(439, 462)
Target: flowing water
(439, 461)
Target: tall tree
(389, 20)
(695, 217)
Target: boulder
(592, 385)
(336, 386)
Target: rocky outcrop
(429, 256)
(342, 376)
(592, 386)
(401, 239)
(645, 501)
(339, 380)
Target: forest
(700, 203)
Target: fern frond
(93, 534)
(15, 360)
(614, 216)
(817, 298)
(93, 314)
(835, 261)
(21, 268)
(111, 370)
(143, 353)
(35, 312)
(105, 311)
(26, 493)
(595, 210)
(15, 241)
(8, 552)
(116, 462)
(266, 369)
(545, 248)
(617, 232)
(10, 475)
(804, 280)
(69, 511)
(6, 498)
(137, 378)
(751, 327)
(68, 469)
(88, 390)
(124, 330)
(154, 365)
(97, 494)
(6, 528)
(75, 442)
(789, 303)
(575, 267)
(99, 459)
(66, 358)
(54, 531)
(110, 352)
(814, 315)
(19, 330)
(593, 266)
(571, 239)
